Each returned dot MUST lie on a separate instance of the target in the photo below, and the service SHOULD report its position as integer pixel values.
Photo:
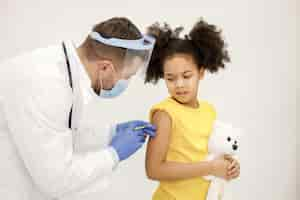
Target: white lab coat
(41, 158)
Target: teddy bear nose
(234, 147)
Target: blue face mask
(119, 88)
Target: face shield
(137, 55)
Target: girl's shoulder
(172, 104)
(165, 105)
(206, 106)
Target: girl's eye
(187, 77)
(169, 79)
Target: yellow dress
(191, 128)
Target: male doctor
(43, 100)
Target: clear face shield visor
(137, 53)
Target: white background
(256, 92)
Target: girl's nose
(179, 83)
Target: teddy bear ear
(239, 132)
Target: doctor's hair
(117, 27)
(204, 43)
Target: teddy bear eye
(228, 139)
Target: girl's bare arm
(157, 167)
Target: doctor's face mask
(119, 85)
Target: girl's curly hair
(204, 43)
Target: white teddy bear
(223, 140)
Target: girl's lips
(181, 93)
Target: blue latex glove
(130, 136)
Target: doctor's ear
(105, 67)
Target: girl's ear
(201, 73)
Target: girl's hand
(220, 167)
(233, 168)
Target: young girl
(175, 157)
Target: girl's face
(182, 76)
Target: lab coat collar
(83, 80)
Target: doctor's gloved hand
(130, 136)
